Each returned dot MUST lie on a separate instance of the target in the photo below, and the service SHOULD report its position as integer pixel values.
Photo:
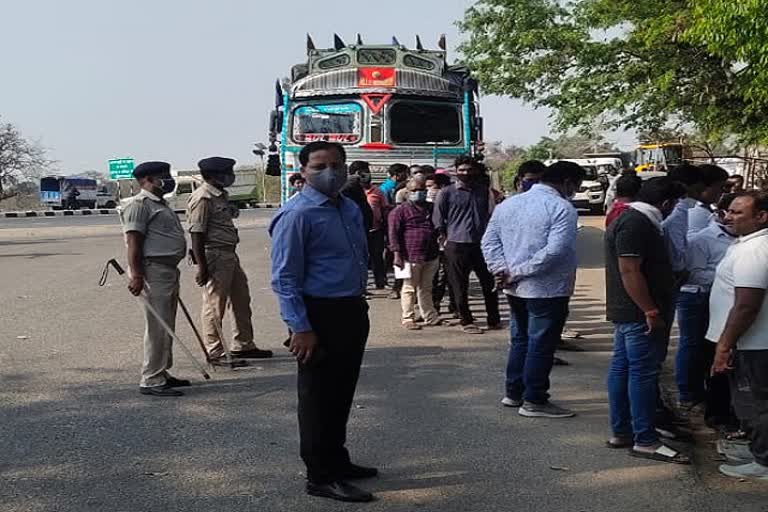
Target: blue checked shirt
(318, 250)
(532, 236)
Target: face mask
(365, 178)
(226, 180)
(526, 185)
(464, 178)
(167, 185)
(328, 181)
(418, 196)
(431, 195)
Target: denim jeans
(632, 382)
(693, 320)
(535, 327)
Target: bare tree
(20, 160)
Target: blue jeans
(693, 320)
(632, 382)
(535, 327)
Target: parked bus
(385, 103)
(52, 191)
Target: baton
(143, 299)
(194, 329)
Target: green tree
(641, 65)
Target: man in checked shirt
(413, 241)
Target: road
(77, 436)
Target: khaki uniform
(164, 247)
(210, 214)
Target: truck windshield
(424, 123)
(49, 185)
(333, 123)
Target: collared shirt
(209, 213)
(676, 231)
(699, 217)
(378, 204)
(462, 212)
(151, 216)
(388, 189)
(705, 251)
(532, 236)
(318, 250)
(636, 234)
(412, 234)
(745, 265)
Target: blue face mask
(328, 181)
(418, 196)
(527, 185)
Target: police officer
(156, 245)
(319, 274)
(214, 241)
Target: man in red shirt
(413, 242)
(627, 188)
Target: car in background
(591, 195)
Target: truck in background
(52, 191)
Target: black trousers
(461, 260)
(327, 383)
(376, 245)
(440, 287)
(752, 369)
(717, 388)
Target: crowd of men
(676, 246)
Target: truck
(52, 191)
(385, 103)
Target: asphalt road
(75, 435)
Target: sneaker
(751, 470)
(511, 402)
(738, 454)
(546, 410)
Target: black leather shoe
(165, 391)
(254, 353)
(339, 491)
(223, 362)
(355, 472)
(173, 382)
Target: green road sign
(121, 168)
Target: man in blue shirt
(319, 274)
(398, 174)
(530, 245)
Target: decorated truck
(385, 103)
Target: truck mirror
(275, 122)
(273, 165)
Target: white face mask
(328, 181)
(431, 195)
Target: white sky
(179, 80)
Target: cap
(216, 165)
(145, 169)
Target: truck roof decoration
(378, 69)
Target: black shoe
(559, 361)
(254, 353)
(355, 472)
(339, 491)
(173, 382)
(223, 362)
(165, 391)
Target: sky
(178, 80)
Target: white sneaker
(509, 402)
(738, 454)
(547, 410)
(751, 470)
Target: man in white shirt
(739, 321)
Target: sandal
(471, 329)
(662, 454)
(411, 326)
(674, 434)
(616, 443)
